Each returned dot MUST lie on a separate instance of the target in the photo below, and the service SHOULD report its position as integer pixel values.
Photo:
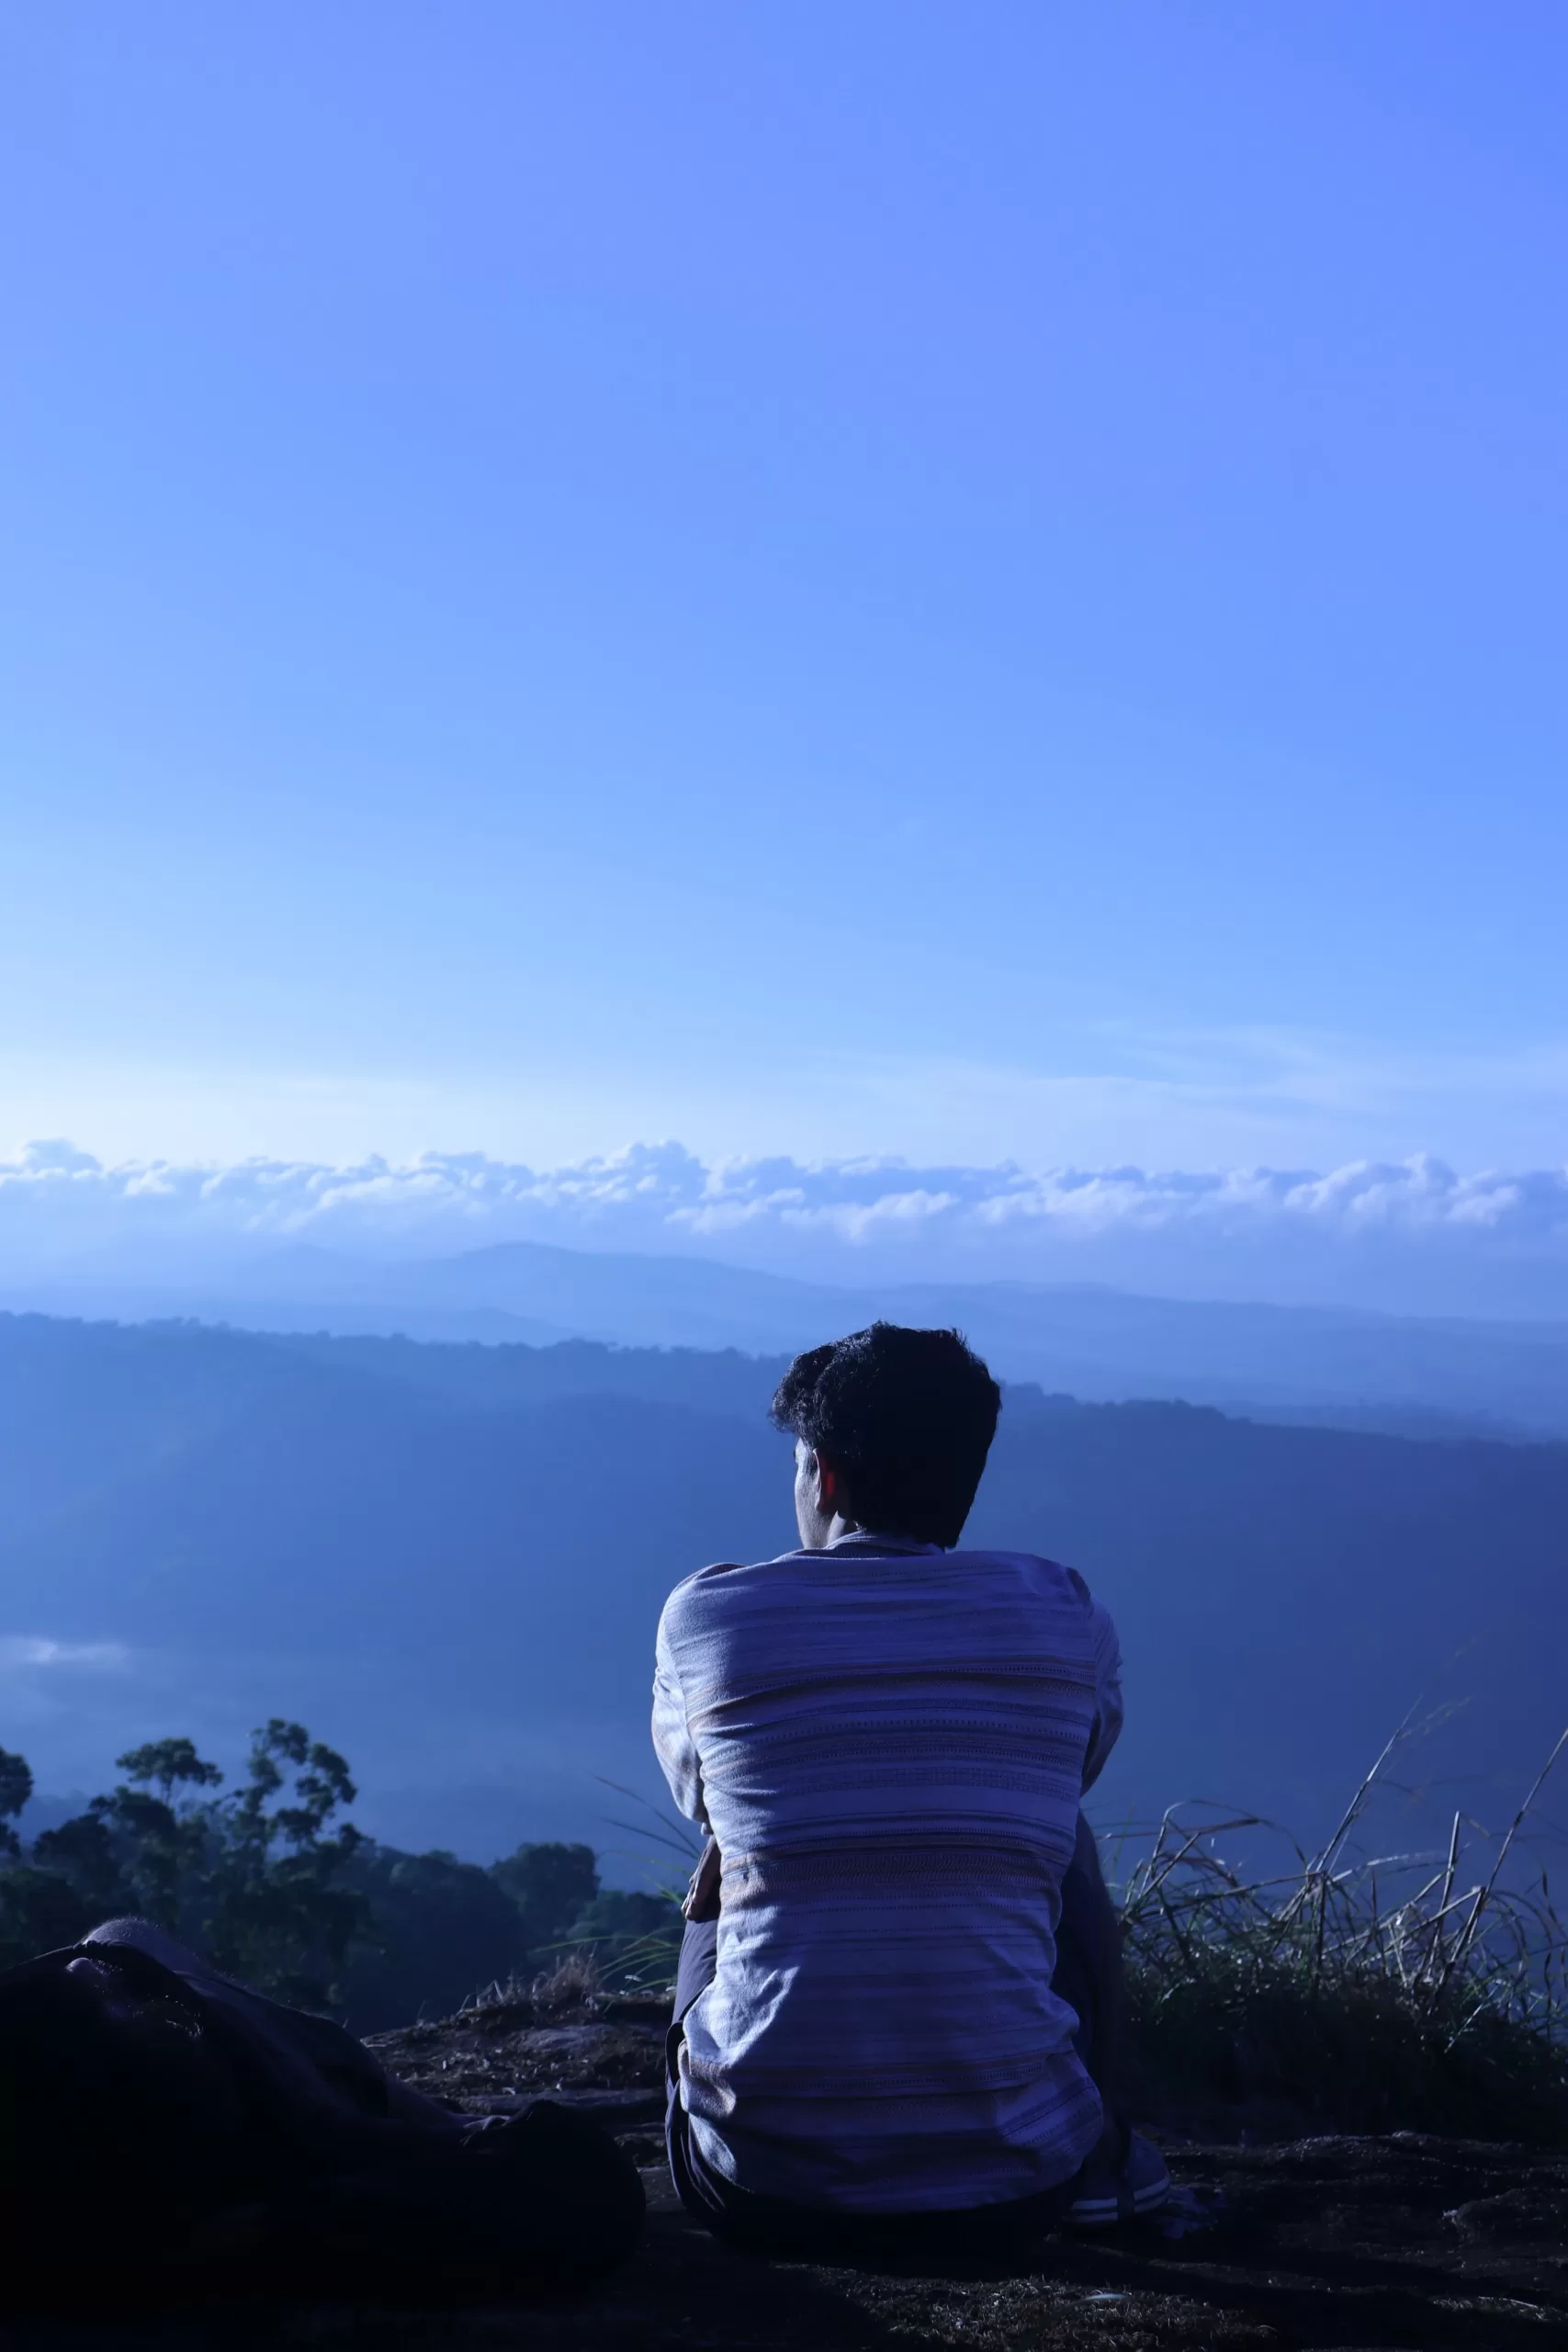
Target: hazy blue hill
(494, 1378)
(635, 1299)
(1284, 1593)
(87, 1409)
(450, 1561)
(1103, 1343)
(1097, 1344)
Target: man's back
(889, 1742)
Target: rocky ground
(1330, 2241)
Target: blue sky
(981, 584)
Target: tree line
(271, 1880)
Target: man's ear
(827, 1485)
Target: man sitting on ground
(898, 1981)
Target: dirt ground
(1332, 2241)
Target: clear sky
(969, 581)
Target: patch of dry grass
(1413, 1992)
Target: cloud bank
(1414, 1234)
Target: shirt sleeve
(672, 1741)
(1106, 1728)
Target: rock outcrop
(1401, 2240)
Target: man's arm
(677, 1754)
(1107, 1726)
(672, 1741)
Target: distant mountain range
(449, 1560)
(1405, 1375)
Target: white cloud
(1259, 1229)
(28, 1653)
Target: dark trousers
(1087, 1977)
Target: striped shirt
(889, 1743)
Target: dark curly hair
(905, 1417)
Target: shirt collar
(866, 1539)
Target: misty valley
(448, 1561)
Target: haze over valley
(449, 1559)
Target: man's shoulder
(1034, 1567)
(697, 1598)
(711, 1593)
